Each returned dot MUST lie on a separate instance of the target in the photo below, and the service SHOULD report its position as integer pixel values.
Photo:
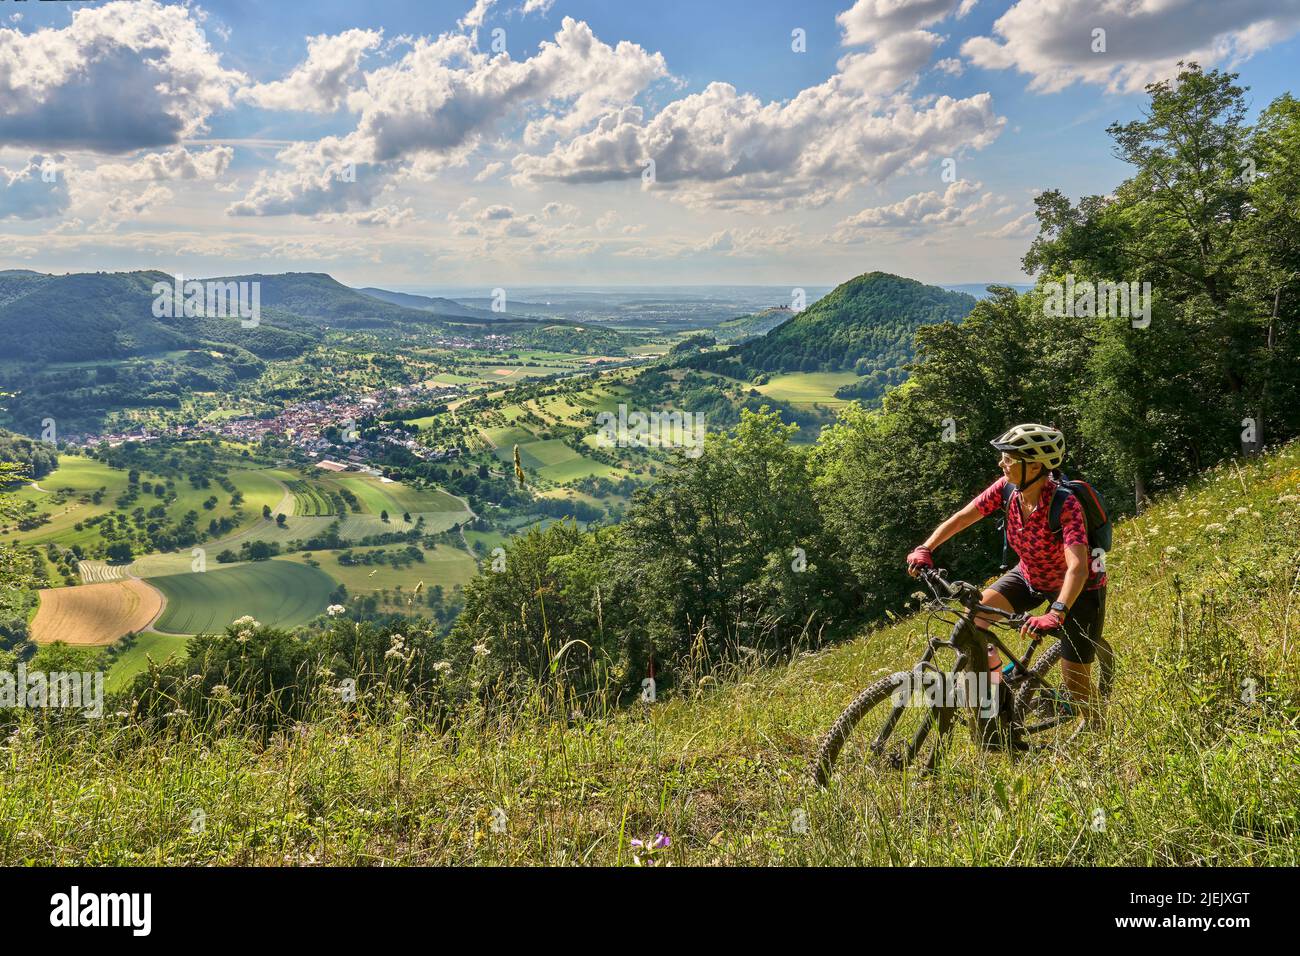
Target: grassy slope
(1187, 773)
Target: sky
(420, 143)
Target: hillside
(748, 326)
(428, 304)
(865, 325)
(1189, 774)
(110, 315)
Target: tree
(1166, 400)
(120, 552)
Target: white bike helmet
(1041, 443)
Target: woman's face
(1017, 472)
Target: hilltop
(865, 325)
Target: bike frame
(968, 639)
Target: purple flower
(661, 842)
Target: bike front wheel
(889, 724)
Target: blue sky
(490, 143)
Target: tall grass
(1200, 763)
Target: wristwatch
(1060, 608)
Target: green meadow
(276, 593)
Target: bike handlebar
(968, 594)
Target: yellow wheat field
(95, 613)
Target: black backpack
(1096, 515)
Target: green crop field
(509, 436)
(279, 593)
(556, 461)
(808, 387)
(135, 659)
(489, 540)
(445, 565)
(309, 500)
(394, 497)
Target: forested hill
(865, 325)
(49, 318)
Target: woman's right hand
(919, 558)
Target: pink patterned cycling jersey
(1042, 553)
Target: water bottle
(995, 665)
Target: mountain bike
(1003, 706)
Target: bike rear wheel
(1043, 702)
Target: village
(318, 429)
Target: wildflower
(221, 692)
(245, 621)
(1215, 528)
(442, 667)
(660, 842)
(480, 650)
(334, 610)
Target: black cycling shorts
(1083, 624)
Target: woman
(1054, 566)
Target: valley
(373, 469)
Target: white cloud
(488, 171)
(431, 108)
(476, 15)
(37, 191)
(122, 76)
(176, 163)
(387, 216)
(1022, 227)
(870, 21)
(125, 206)
(1051, 40)
(722, 149)
(919, 211)
(323, 81)
(894, 62)
(314, 179)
